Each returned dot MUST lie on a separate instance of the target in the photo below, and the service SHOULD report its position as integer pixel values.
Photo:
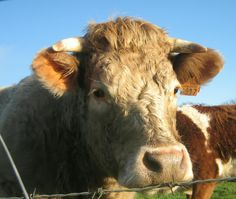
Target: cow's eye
(99, 93)
(176, 90)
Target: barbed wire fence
(101, 191)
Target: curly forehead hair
(126, 33)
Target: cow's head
(129, 72)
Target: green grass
(223, 191)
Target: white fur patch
(228, 169)
(220, 166)
(201, 120)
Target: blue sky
(30, 25)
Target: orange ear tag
(189, 89)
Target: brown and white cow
(209, 133)
(107, 111)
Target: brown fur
(197, 68)
(126, 34)
(57, 71)
(221, 144)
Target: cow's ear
(196, 69)
(57, 71)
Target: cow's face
(130, 98)
(130, 116)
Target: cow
(209, 133)
(102, 106)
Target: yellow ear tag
(189, 89)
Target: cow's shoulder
(8, 93)
(19, 97)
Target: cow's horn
(74, 44)
(182, 46)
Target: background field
(223, 191)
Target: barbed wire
(101, 191)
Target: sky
(26, 26)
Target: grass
(225, 190)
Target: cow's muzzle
(172, 162)
(157, 165)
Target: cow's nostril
(151, 162)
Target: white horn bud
(74, 44)
(182, 46)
